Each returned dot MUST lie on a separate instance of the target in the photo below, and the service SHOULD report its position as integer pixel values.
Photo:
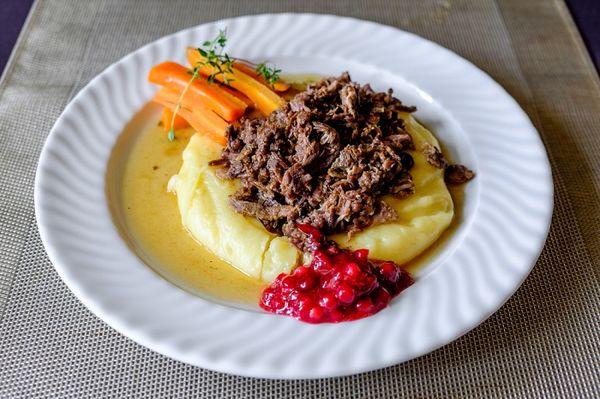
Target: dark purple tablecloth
(12, 17)
(586, 14)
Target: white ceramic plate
(505, 218)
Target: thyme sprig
(171, 134)
(214, 56)
(271, 75)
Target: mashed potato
(244, 243)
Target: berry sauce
(338, 285)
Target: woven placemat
(544, 342)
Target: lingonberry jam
(338, 285)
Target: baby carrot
(176, 76)
(202, 120)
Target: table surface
(543, 343)
(586, 14)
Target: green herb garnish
(171, 134)
(271, 75)
(214, 56)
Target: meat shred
(453, 173)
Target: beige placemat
(542, 343)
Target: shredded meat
(434, 156)
(325, 159)
(453, 173)
(458, 174)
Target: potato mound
(245, 244)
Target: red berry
(277, 303)
(292, 296)
(381, 298)
(390, 271)
(364, 306)
(361, 255)
(352, 271)
(303, 302)
(316, 313)
(306, 282)
(334, 279)
(312, 232)
(368, 283)
(301, 271)
(345, 294)
(328, 301)
(320, 261)
(289, 282)
(336, 315)
(325, 281)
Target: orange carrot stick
(239, 95)
(198, 124)
(167, 117)
(250, 70)
(265, 99)
(203, 121)
(174, 96)
(171, 96)
(175, 76)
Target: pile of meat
(324, 159)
